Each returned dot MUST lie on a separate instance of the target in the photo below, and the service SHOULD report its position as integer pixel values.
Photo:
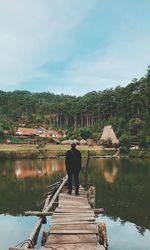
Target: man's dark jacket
(73, 160)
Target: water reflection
(109, 170)
(122, 188)
(39, 167)
(24, 183)
(124, 236)
(22, 227)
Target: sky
(73, 46)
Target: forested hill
(126, 108)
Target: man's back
(73, 166)
(73, 159)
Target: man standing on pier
(73, 166)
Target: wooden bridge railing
(50, 200)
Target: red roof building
(27, 131)
(54, 134)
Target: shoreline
(58, 151)
(18, 151)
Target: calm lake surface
(122, 189)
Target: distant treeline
(126, 108)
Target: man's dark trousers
(75, 174)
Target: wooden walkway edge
(73, 225)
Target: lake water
(122, 189)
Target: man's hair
(73, 145)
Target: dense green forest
(126, 108)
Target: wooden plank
(78, 238)
(74, 203)
(72, 206)
(98, 210)
(77, 210)
(74, 226)
(90, 213)
(67, 211)
(18, 248)
(81, 246)
(73, 216)
(37, 213)
(75, 222)
(73, 198)
(78, 215)
(57, 220)
(72, 219)
(82, 211)
(74, 231)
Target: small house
(54, 134)
(27, 131)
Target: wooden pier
(73, 225)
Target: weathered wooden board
(77, 211)
(74, 218)
(74, 231)
(72, 214)
(79, 246)
(75, 222)
(72, 197)
(18, 248)
(67, 239)
(74, 226)
(73, 209)
(90, 213)
(74, 205)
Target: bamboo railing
(50, 200)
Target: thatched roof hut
(76, 142)
(108, 133)
(67, 142)
(83, 142)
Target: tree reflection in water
(122, 186)
(23, 183)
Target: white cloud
(38, 32)
(126, 58)
(34, 32)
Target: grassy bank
(139, 153)
(16, 151)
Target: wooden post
(37, 213)
(44, 237)
(98, 210)
(102, 234)
(86, 170)
(16, 248)
(91, 196)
